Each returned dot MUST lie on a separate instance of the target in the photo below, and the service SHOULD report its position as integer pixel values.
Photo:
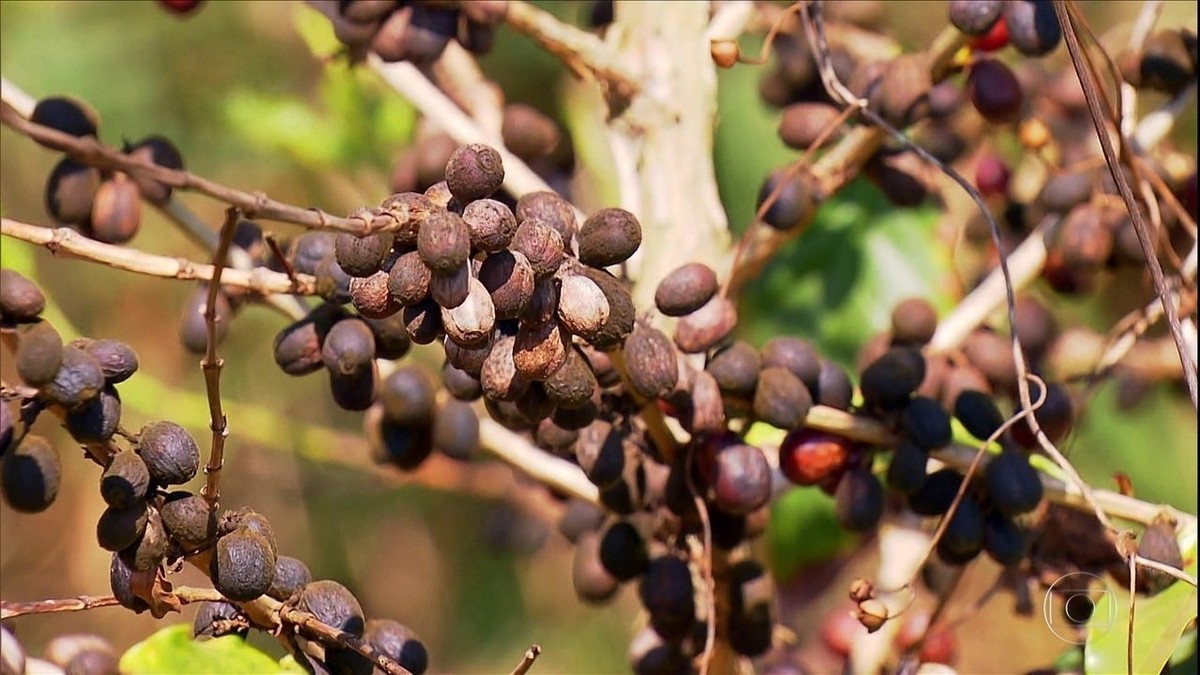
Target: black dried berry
(148, 551)
(1032, 26)
(1013, 485)
(216, 619)
(291, 575)
(97, 420)
(601, 454)
(67, 115)
(623, 551)
(30, 475)
(189, 520)
(120, 581)
(20, 299)
(963, 536)
(456, 430)
(907, 469)
(936, 494)
(39, 353)
(978, 413)
(405, 447)
(926, 423)
(858, 500)
(170, 453)
(389, 638)
(297, 348)
(78, 380)
(407, 396)
(125, 482)
(120, 528)
(667, 593)
(1003, 539)
(333, 605)
(890, 380)
(593, 583)
(795, 199)
(242, 566)
(609, 237)
(161, 151)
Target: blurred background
(240, 92)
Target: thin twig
(706, 565)
(1078, 58)
(527, 660)
(81, 603)
(1165, 569)
(63, 239)
(211, 364)
(580, 51)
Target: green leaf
(172, 650)
(1159, 623)
(837, 284)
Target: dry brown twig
(527, 660)
(212, 364)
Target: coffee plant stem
(17, 97)
(63, 239)
(729, 21)
(1078, 59)
(1165, 569)
(184, 594)
(92, 152)
(458, 74)
(527, 660)
(581, 51)
(212, 364)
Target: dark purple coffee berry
(242, 566)
(31, 475)
(170, 453)
(667, 593)
(97, 420)
(833, 386)
(120, 581)
(125, 482)
(890, 380)
(1055, 417)
(333, 605)
(391, 338)
(21, 301)
(907, 469)
(404, 447)
(71, 191)
(649, 654)
(158, 150)
(736, 369)
(995, 91)
(686, 289)
(1032, 26)
(67, 115)
(926, 423)
(741, 479)
(936, 494)
(291, 575)
(1013, 485)
(217, 619)
(193, 332)
(117, 360)
(474, 171)
(623, 551)
(189, 520)
(858, 500)
(795, 199)
(797, 356)
(963, 537)
(609, 237)
(978, 413)
(601, 453)
(297, 348)
(118, 529)
(1003, 539)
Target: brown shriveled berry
(444, 243)
(543, 303)
(189, 520)
(621, 312)
(509, 278)
(333, 284)
(992, 355)
(474, 172)
(193, 332)
(290, 577)
(97, 420)
(796, 355)
(1158, 543)
(470, 324)
(707, 327)
(20, 299)
(686, 289)
(297, 348)
(117, 360)
(735, 369)
(902, 97)
(120, 528)
(151, 547)
(469, 360)
(573, 383)
(170, 453)
(795, 196)
(541, 245)
(490, 224)
(71, 192)
(362, 256)
(242, 566)
(528, 133)
(462, 385)
(333, 605)
(116, 211)
(39, 353)
(913, 322)
(31, 476)
(781, 399)
(409, 210)
(309, 249)
(371, 297)
(582, 306)
(79, 379)
(125, 480)
(407, 396)
(499, 375)
(1084, 239)
(802, 123)
(551, 209)
(349, 347)
(650, 360)
(609, 237)
(540, 349)
(451, 290)
(408, 280)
